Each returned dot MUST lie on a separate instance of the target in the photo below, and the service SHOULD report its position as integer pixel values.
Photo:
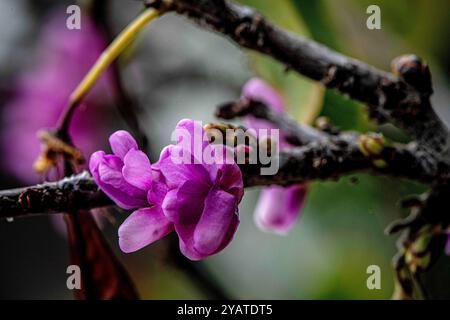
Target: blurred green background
(340, 232)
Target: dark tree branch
(294, 133)
(318, 160)
(402, 100)
(338, 156)
(78, 192)
(321, 155)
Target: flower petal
(278, 208)
(143, 227)
(258, 89)
(157, 194)
(217, 217)
(165, 154)
(126, 198)
(231, 180)
(223, 171)
(95, 160)
(121, 142)
(186, 243)
(191, 135)
(137, 169)
(110, 176)
(185, 204)
(186, 240)
(178, 173)
(447, 245)
(109, 179)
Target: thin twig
(402, 100)
(74, 193)
(321, 155)
(294, 133)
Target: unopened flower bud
(372, 146)
(324, 124)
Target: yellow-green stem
(104, 61)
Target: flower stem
(104, 61)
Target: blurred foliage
(303, 97)
(423, 24)
(345, 114)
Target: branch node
(413, 71)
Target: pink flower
(203, 198)
(129, 179)
(63, 58)
(197, 200)
(125, 175)
(148, 224)
(278, 208)
(447, 245)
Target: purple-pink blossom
(447, 245)
(198, 200)
(203, 198)
(62, 59)
(130, 180)
(125, 175)
(278, 208)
